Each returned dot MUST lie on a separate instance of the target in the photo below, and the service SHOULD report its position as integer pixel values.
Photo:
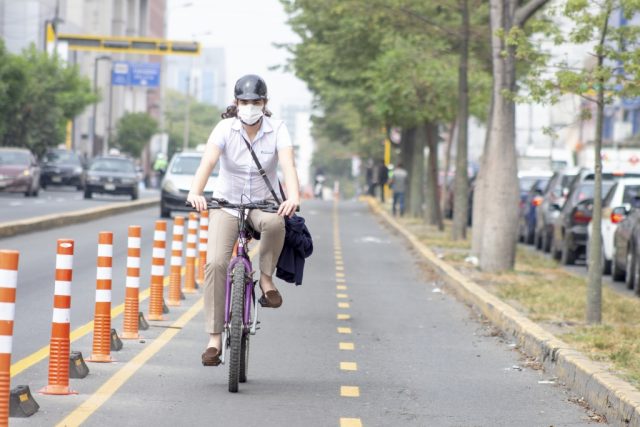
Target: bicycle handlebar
(264, 205)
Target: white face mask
(250, 114)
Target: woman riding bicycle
(246, 121)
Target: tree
(615, 74)
(133, 132)
(494, 226)
(43, 94)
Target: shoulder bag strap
(262, 172)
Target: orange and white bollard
(8, 282)
(202, 246)
(131, 301)
(61, 325)
(102, 317)
(157, 271)
(175, 274)
(192, 253)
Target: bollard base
(116, 343)
(182, 295)
(130, 336)
(156, 317)
(77, 367)
(190, 291)
(142, 322)
(57, 390)
(101, 358)
(21, 402)
(165, 309)
(173, 302)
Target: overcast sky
(246, 30)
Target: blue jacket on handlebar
(298, 245)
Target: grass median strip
(553, 297)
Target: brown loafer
(271, 299)
(211, 357)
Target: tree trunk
(501, 214)
(461, 203)
(432, 215)
(416, 179)
(447, 162)
(594, 284)
(477, 216)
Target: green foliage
(202, 119)
(133, 132)
(38, 95)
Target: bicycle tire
(235, 330)
(244, 358)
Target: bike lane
(369, 339)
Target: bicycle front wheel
(235, 331)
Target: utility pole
(187, 112)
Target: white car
(623, 193)
(177, 182)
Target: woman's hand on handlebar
(287, 208)
(197, 201)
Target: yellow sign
(139, 45)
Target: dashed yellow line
(348, 366)
(344, 330)
(340, 280)
(343, 316)
(350, 422)
(339, 275)
(341, 287)
(349, 391)
(342, 296)
(344, 305)
(346, 346)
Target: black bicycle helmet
(250, 87)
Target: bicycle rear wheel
(235, 331)
(244, 358)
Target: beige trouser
(223, 233)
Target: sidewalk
(609, 395)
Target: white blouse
(239, 180)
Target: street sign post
(127, 73)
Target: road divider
(191, 255)
(59, 345)
(175, 279)
(8, 284)
(202, 245)
(102, 315)
(46, 222)
(132, 313)
(156, 301)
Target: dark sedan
(19, 171)
(528, 207)
(112, 175)
(62, 167)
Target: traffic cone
(192, 239)
(131, 302)
(157, 271)
(8, 282)
(102, 317)
(202, 246)
(60, 326)
(176, 262)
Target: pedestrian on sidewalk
(398, 184)
(383, 176)
(238, 181)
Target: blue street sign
(126, 73)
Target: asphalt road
(419, 357)
(15, 206)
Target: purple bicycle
(241, 305)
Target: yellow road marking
(109, 388)
(350, 422)
(342, 316)
(340, 280)
(344, 330)
(339, 261)
(342, 296)
(339, 275)
(349, 391)
(348, 366)
(343, 305)
(339, 268)
(341, 287)
(346, 346)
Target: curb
(609, 395)
(45, 222)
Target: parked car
(553, 198)
(19, 171)
(528, 208)
(626, 194)
(62, 167)
(177, 182)
(570, 228)
(111, 175)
